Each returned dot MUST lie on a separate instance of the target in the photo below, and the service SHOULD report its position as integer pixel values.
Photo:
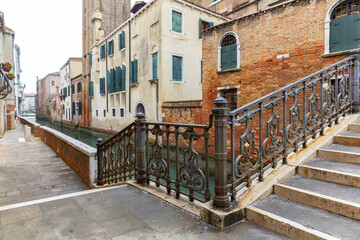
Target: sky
(48, 32)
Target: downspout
(106, 64)
(71, 98)
(129, 66)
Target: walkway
(31, 170)
(115, 213)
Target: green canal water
(92, 140)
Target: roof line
(148, 5)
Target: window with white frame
(102, 52)
(122, 112)
(104, 113)
(177, 21)
(177, 68)
(154, 65)
(229, 52)
(97, 113)
(110, 48)
(113, 111)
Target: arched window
(343, 19)
(229, 52)
(140, 108)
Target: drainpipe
(129, 65)
(106, 63)
(71, 98)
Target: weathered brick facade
(114, 13)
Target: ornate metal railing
(265, 131)
(116, 157)
(5, 87)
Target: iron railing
(5, 86)
(265, 131)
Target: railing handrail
(184, 124)
(117, 134)
(283, 89)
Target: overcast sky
(48, 32)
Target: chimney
(137, 6)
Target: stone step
(303, 222)
(324, 202)
(340, 153)
(330, 171)
(283, 226)
(343, 192)
(349, 138)
(354, 127)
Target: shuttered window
(155, 66)
(176, 21)
(102, 52)
(102, 85)
(113, 80)
(118, 78)
(177, 65)
(79, 87)
(204, 25)
(91, 89)
(80, 108)
(228, 53)
(73, 109)
(122, 40)
(123, 78)
(134, 71)
(345, 33)
(110, 48)
(73, 89)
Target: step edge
(331, 171)
(281, 220)
(334, 151)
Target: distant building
(29, 102)
(7, 104)
(113, 13)
(68, 72)
(46, 89)
(151, 64)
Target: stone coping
(29, 122)
(83, 147)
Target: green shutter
(352, 24)
(136, 71)
(119, 36)
(102, 52)
(155, 66)
(79, 87)
(123, 78)
(210, 24)
(108, 49)
(113, 80)
(131, 73)
(108, 81)
(91, 89)
(177, 22)
(102, 85)
(200, 28)
(337, 35)
(229, 57)
(73, 108)
(177, 68)
(122, 39)
(118, 76)
(73, 89)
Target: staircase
(322, 201)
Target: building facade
(68, 72)
(29, 102)
(107, 14)
(256, 54)
(46, 90)
(7, 104)
(154, 58)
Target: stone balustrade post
(99, 161)
(221, 198)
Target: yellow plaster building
(152, 58)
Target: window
(177, 22)
(231, 96)
(229, 52)
(102, 86)
(122, 112)
(102, 52)
(79, 87)
(204, 25)
(154, 64)
(113, 112)
(110, 48)
(122, 40)
(140, 108)
(69, 93)
(65, 92)
(344, 26)
(91, 88)
(80, 108)
(123, 78)
(104, 113)
(73, 89)
(52, 83)
(134, 71)
(57, 89)
(177, 68)
(97, 113)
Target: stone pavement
(31, 170)
(115, 213)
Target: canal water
(92, 140)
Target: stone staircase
(322, 201)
